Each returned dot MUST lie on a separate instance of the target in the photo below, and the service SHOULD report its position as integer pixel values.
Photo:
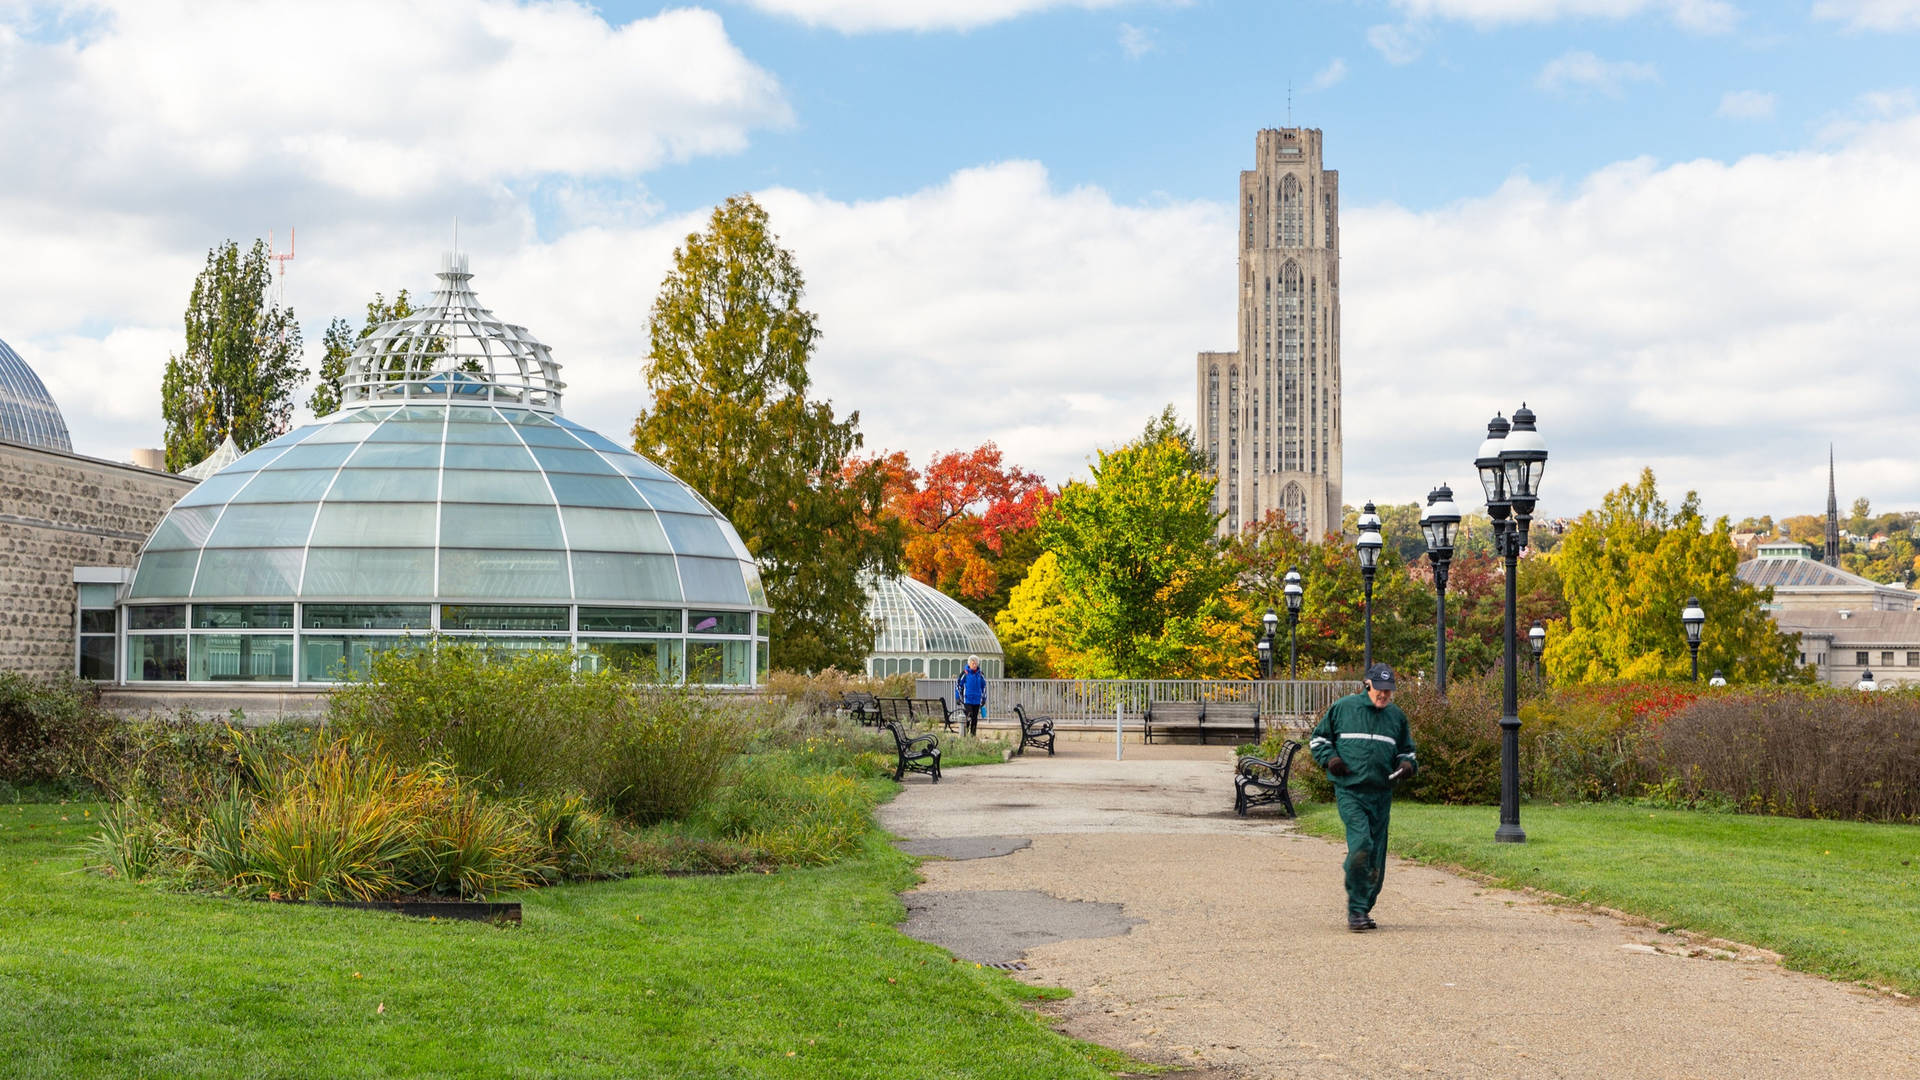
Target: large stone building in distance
(1268, 415)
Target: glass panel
(156, 658)
(574, 461)
(346, 524)
(491, 573)
(763, 663)
(637, 578)
(164, 573)
(386, 485)
(595, 439)
(256, 459)
(669, 495)
(157, 617)
(593, 529)
(696, 535)
(336, 659)
(366, 616)
(374, 455)
(572, 490)
(501, 617)
(511, 458)
(184, 528)
(241, 658)
(546, 435)
(467, 485)
(760, 625)
(317, 456)
(712, 581)
(719, 622)
(343, 430)
(286, 485)
(370, 572)
(489, 434)
(463, 414)
(919, 666)
(501, 526)
(249, 572)
(738, 545)
(720, 663)
(94, 594)
(506, 647)
(217, 488)
(96, 658)
(243, 616)
(652, 659)
(425, 430)
(263, 525)
(634, 465)
(607, 620)
(756, 592)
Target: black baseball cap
(1380, 677)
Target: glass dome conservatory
(448, 495)
(925, 631)
(27, 412)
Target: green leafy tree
(339, 341)
(241, 363)
(727, 363)
(1332, 625)
(1146, 593)
(1628, 568)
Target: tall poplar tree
(241, 363)
(727, 363)
(1628, 569)
(340, 340)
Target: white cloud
(1581, 70)
(1651, 316)
(1398, 45)
(1703, 16)
(366, 100)
(1135, 41)
(1331, 75)
(867, 16)
(1871, 14)
(1746, 104)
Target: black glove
(1336, 766)
(1399, 774)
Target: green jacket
(1373, 742)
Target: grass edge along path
(1840, 899)
(792, 974)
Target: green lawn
(792, 974)
(1838, 898)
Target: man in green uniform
(1364, 745)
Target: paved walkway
(1196, 938)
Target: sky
(1685, 232)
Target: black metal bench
(1036, 732)
(1231, 718)
(1257, 781)
(862, 706)
(935, 708)
(1172, 717)
(918, 753)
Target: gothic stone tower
(1269, 414)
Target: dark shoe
(1359, 923)
(1371, 925)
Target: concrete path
(1196, 938)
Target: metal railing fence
(1094, 700)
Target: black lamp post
(1693, 618)
(1265, 645)
(1510, 464)
(1442, 520)
(1719, 678)
(1369, 546)
(1294, 595)
(1537, 641)
(1866, 682)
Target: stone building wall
(59, 511)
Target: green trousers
(1365, 814)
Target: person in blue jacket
(1365, 745)
(970, 693)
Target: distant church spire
(1833, 516)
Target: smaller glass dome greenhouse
(447, 496)
(925, 631)
(27, 412)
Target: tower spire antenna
(1289, 101)
(1832, 553)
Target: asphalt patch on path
(999, 926)
(966, 847)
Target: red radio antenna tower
(280, 259)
